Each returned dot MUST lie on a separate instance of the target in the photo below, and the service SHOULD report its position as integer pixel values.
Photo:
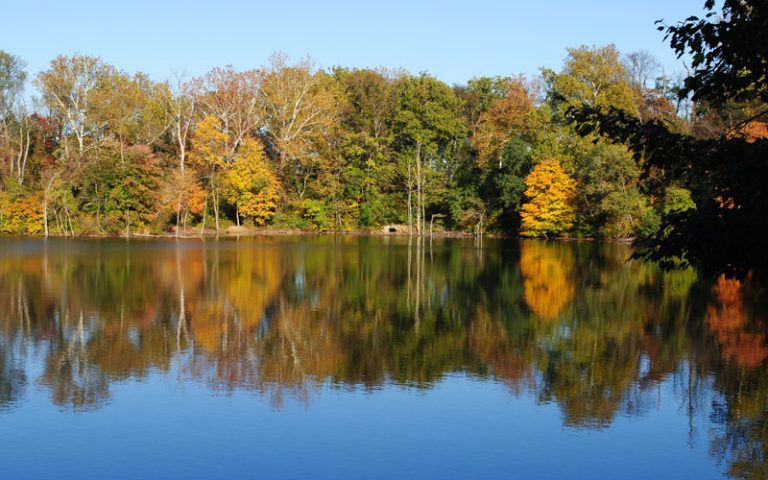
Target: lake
(374, 357)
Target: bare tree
(180, 103)
(642, 68)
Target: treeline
(290, 146)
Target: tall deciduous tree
(12, 77)
(593, 76)
(70, 89)
(129, 109)
(179, 104)
(642, 69)
(298, 111)
(427, 127)
(15, 125)
(211, 154)
(502, 122)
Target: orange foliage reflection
(490, 343)
(728, 320)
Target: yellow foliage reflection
(548, 284)
(245, 281)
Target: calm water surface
(354, 357)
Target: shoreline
(237, 232)
(261, 233)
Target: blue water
(316, 358)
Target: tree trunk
(23, 155)
(419, 193)
(431, 221)
(205, 213)
(216, 209)
(45, 216)
(46, 195)
(410, 201)
(178, 215)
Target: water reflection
(570, 323)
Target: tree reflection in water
(570, 323)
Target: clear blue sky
(453, 40)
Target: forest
(607, 146)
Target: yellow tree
(252, 187)
(209, 154)
(551, 194)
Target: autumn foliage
(252, 186)
(501, 123)
(551, 193)
(291, 145)
(21, 215)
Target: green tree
(502, 189)
(369, 174)
(427, 126)
(122, 190)
(592, 76)
(612, 204)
